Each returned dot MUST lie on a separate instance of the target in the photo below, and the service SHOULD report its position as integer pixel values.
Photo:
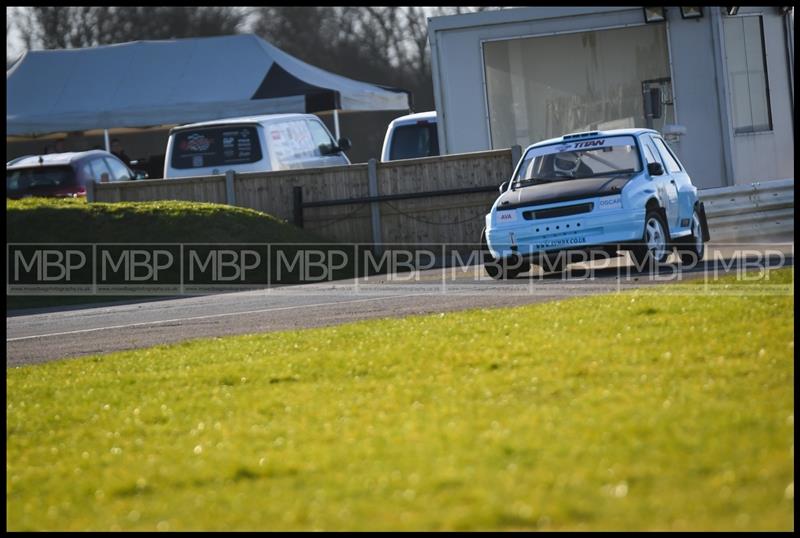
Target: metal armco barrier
(764, 209)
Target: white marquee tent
(152, 83)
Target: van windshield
(413, 141)
(215, 146)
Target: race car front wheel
(501, 269)
(692, 248)
(654, 246)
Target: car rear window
(412, 141)
(39, 177)
(215, 146)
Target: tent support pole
(336, 124)
(105, 136)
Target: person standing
(117, 151)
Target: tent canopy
(147, 83)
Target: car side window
(100, 171)
(666, 154)
(322, 140)
(648, 154)
(85, 173)
(119, 172)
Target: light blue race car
(600, 191)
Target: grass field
(66, 220)
(617, 412)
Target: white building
(720, 86)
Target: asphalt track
(47, 334)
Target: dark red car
(63, 174)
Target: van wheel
(692, 248)
(654, 246)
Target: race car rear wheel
(654, 246)
(501, 269)
(692, 248)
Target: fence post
(375, 210)
(90, 191)
(230, 190)
(516, 154)
(297, 198)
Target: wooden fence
(456, 218)
(760, 209)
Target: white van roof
(413, 118)
(244, 119)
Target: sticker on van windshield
(217, 146)
(197, 142)
(291, 140)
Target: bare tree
(70, 27)
(383, 45)
(57, 26)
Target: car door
(667, 185)
(681, 185)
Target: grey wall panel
(701, 106)
(696, 101)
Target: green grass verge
(624, 411)
(65, 220)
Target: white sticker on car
(561, 242)
(506, 216)
(612, 202)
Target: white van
(410, 137)
(252, 144)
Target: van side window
(322, 140)
(290, 141)
(666, 154)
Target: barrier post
(297, 199)
(90, 191)
(230, 191)
(375, 210)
